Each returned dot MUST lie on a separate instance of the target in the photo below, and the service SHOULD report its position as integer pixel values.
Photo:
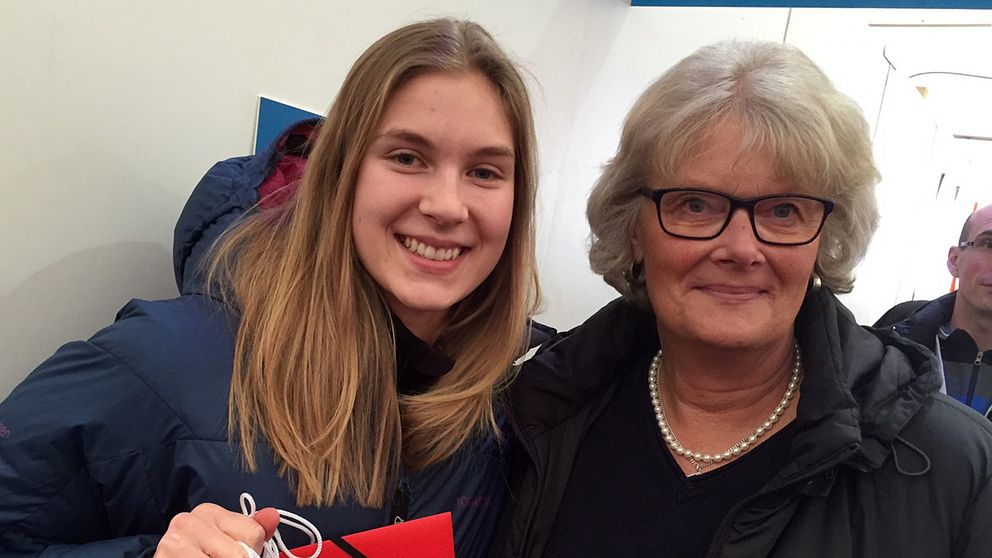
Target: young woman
(358, 332)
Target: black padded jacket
(882, 464)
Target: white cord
(274, 545)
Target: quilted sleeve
(72, 478)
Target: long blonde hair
(314, 369)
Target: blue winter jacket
(110, 438)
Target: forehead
(980, 222)
(439, 95)
(725, 160)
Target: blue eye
(405, 159)
(783, 210)
(695, 205)
(484, 173)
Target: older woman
(728, 404)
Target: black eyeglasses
(779, 219)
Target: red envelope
(427, 537)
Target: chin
(736, 335)
(729, 342)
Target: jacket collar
(922, 325)
(861, 387)
(418, 365)
(572, 369)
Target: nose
(442, 200)
(738, 243)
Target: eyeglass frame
(971, 243)
(748, 204)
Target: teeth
(430, 252)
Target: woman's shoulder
(178, 336)
(114, 411)
(953, 428)
(950, 446)
(181, 352)
(164, 363)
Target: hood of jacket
(860, 385)
(233, 188)
(922, 324)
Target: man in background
(958, 327)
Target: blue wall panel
(274, 117)
(956, 4)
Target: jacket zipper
(401, 501)
(975, 367)
(721, 533)
(529, 450)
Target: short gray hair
(785, 106)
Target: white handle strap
(275, 545)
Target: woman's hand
(212, 531)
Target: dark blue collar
(418, 365)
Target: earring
(635, 275)
(815, 283)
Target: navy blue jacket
(110, 438)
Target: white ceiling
(946, 41)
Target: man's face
(972, 265)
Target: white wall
(112, 110)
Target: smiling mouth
(728, 292)
(430, 252)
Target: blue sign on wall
(274, 117)
(922, 4)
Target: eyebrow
(426, 144)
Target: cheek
(795, 270)
(667, 257)
(495, 215)
(662, 254)
(359, 222)
(973, 268)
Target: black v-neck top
(627, 496)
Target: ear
(635, 245)
(952, 260)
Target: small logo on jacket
(4, 432)
(474, 501)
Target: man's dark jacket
(882, 464)
(965, 367)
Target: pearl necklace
(703, 460)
